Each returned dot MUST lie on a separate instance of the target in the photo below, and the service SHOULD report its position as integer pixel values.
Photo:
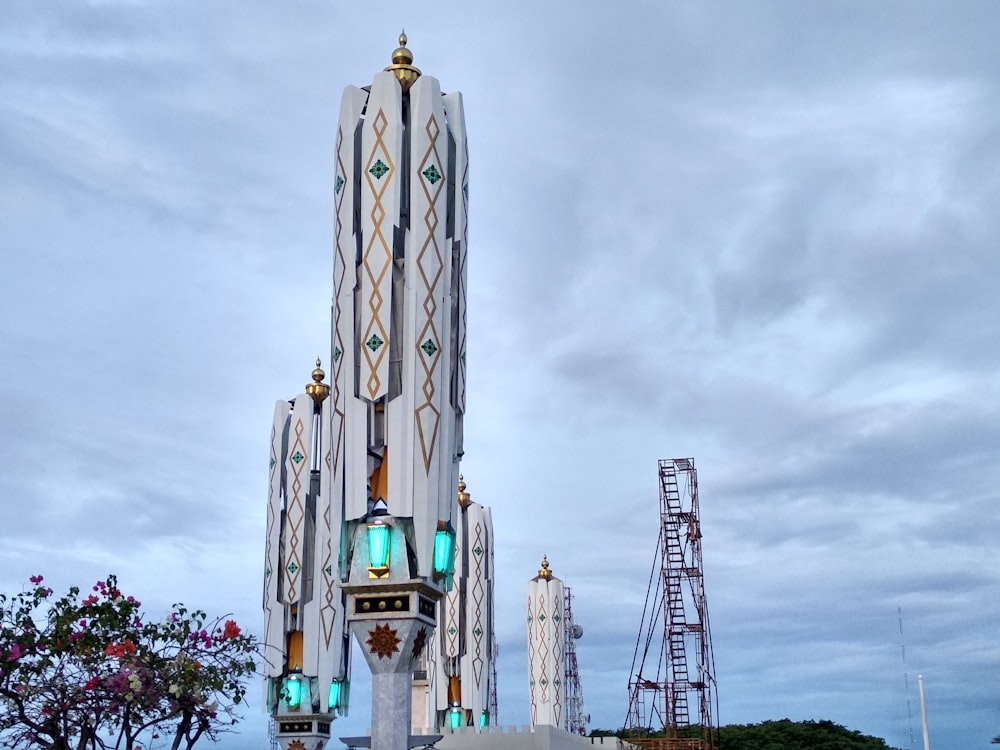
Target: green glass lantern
(378, 549)
(455, 717)
(484, 719)
(444, 551)
(335, 688)
(293, 692)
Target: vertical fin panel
(349, 414)
(381, 182)
(428, 278)
(456, 124)
(274, 610)
(297, 462)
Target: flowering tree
(89, 673)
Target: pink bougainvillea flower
(15, 652)
(92, 683)
(231, 630)
(90, 601)
(36, 579)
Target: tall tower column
(399, 369)
(362, 510)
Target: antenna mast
(674, 677)
(906, 675)
(576, 720)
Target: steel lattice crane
(672, 692)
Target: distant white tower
(546, 648)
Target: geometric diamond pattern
(431, 174)
(379, 170)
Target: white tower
(546, 648)
(306, 658)
(367, 533)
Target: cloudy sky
(764, 235)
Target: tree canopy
(91, 673)
(785, 734)
(782, 734)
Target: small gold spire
(545, 572)
(402, 65)
(318, 389)
(464, 499)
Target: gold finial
(545, 572)
(402, 65)
(318, 389)
(464, 499)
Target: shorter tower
(460, 664)
(306, 654)
(546, 649)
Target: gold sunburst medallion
(383, 641)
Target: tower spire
(402, 64)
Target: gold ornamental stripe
(430, 266)
(272, 519)
(531, 655)
(427, 433)
(543, 650)
(463, 189)
(478, 596)
(338, 341)
(295, 514)
(328, 611)
(377, 257)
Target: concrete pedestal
(302, 731)
(392, 621)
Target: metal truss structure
(672, 691)
(576, 719)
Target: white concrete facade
(546, 649)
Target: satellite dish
(577, 632)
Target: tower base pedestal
(392, 622)
(302, 731)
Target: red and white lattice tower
(672, 690)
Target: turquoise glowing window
(444, 551)
(378, 546)
(293, 692)
(334, 701)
